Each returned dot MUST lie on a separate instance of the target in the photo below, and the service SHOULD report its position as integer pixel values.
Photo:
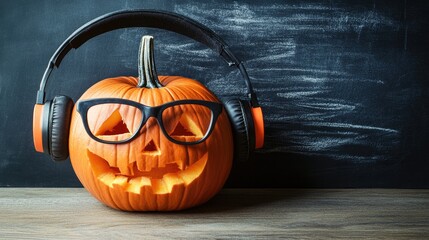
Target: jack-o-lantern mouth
(161, 180)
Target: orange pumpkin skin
(205, 166)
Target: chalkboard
(343, 84)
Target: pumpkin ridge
(191, 91)
(169, 91)
(115, 204)
(110, 83)
(154, 103)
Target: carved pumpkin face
(150, 172)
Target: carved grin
(161, 179)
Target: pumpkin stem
(147, 72)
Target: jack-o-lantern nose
(151, 149)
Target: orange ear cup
(258, 122)
(37, 127)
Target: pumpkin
(150, 173)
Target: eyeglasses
(115, 120)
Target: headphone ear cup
(59, 126)
(242, 125)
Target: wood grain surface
(71, 213)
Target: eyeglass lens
(114, 122)
(187, 122)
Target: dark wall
(344, 84)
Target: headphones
(51, 119)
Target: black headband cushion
(143, 18)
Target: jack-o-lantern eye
(113, 125)
(113, 121)
(187, 122)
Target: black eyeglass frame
(147, 111)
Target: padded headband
(145, 18)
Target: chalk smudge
(312, 89)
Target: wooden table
(71, 213)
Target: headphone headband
(145, 18)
